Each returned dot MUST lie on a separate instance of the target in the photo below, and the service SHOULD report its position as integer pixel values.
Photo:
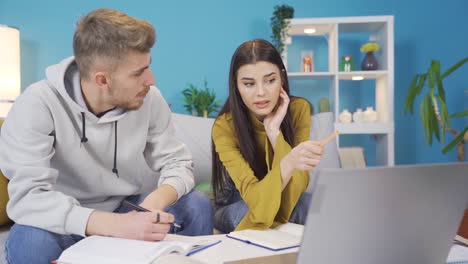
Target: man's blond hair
(109, 34)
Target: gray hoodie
(63, 161)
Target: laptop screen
(402, 214)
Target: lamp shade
(10, 78)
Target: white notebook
(111, 250)
(458, 254)
(282, 237)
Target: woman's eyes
(252, 84)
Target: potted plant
(200, 102)
(433, 107)
(279, 23)
(190, 95)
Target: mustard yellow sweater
(268, 204)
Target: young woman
(261, 147)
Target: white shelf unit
(381, 27)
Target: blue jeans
(27, 244)
(227, 218)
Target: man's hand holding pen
(149, 226)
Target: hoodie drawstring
(114, 169)
(84, 139)
(83, 128)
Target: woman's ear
(282, 76)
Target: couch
(195, 132)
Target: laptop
(402, 214)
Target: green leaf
(438, 79)
(424, 118)
(422, 81)
(445, 113)
(457, 140)
(454, 67)
(460, 114)
(429, 119)
(434, 124)
(412, 92)
(432, 78)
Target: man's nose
(151, 79)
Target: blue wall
(197, 38)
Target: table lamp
(10, 79)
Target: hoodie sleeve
(164, 153)
(26, 144)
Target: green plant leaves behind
(416, 87)
(432, 73)
(197, 101)
(425, 117)
(279, 22)
(460, 114)
(454, 142)
(433, 108)
(410, 96)
(454, 67)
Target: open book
(100, 249)
(282, 237)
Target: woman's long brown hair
(249, 52)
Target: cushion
(322, 126)
(195, 133)
(3, 200)
(3, 196)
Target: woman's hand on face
(273, 120)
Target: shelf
(373, 75)
(309, 75)
(344, 35)
(364, 128)
(320, 29)
(325, 26)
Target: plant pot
(369, 63)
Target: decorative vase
(370, 115)
(345, 116)
(358, 116)
(347, 64)
(324, 105)
(369, 63)
(307, 61)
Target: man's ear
(101, 79)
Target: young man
(92, 134)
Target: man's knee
(198, 202)
(26, 244)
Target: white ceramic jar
(358, 116)
(345, 116)
(370, 115)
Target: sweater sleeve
(300, 179)
(26, 145)
(164, 153)
(262, 197)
